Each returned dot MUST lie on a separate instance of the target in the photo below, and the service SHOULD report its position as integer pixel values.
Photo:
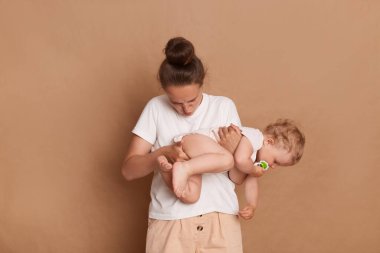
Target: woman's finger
(221, 132)
(216, 135)
(225, 130)
(235, 128)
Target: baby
(281, 143)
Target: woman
(174, 226)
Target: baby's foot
(180, 177)
(164, 165)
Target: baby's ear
(269, 140)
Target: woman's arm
(140, 162)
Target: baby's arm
(251, 190)
(237, 176)
(243, 160)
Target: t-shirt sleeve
(255, 137)
(146, 126)
(233, 116)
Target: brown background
(75, 75)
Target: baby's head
(283, 144)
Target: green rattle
(263, 164)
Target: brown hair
(181, 66)
(287, 135)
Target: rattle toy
(263, 164)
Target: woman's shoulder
(157, 104)
(158, 100)
(220, 99)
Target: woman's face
(184, 99)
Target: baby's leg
(165, 170)
(193, 190)
(206, 156)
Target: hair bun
(179, 51)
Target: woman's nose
(186, 109)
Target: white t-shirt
(255, 137)
(158, 124)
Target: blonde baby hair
(286, 134)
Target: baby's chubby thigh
(196, 144)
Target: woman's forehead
(184, 93)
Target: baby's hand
(247, 212)
(260, 168)
(258, 171)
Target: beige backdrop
(75, 75)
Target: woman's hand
(229, 137)
(174, 153)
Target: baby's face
(274, 155)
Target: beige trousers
(208, 233)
